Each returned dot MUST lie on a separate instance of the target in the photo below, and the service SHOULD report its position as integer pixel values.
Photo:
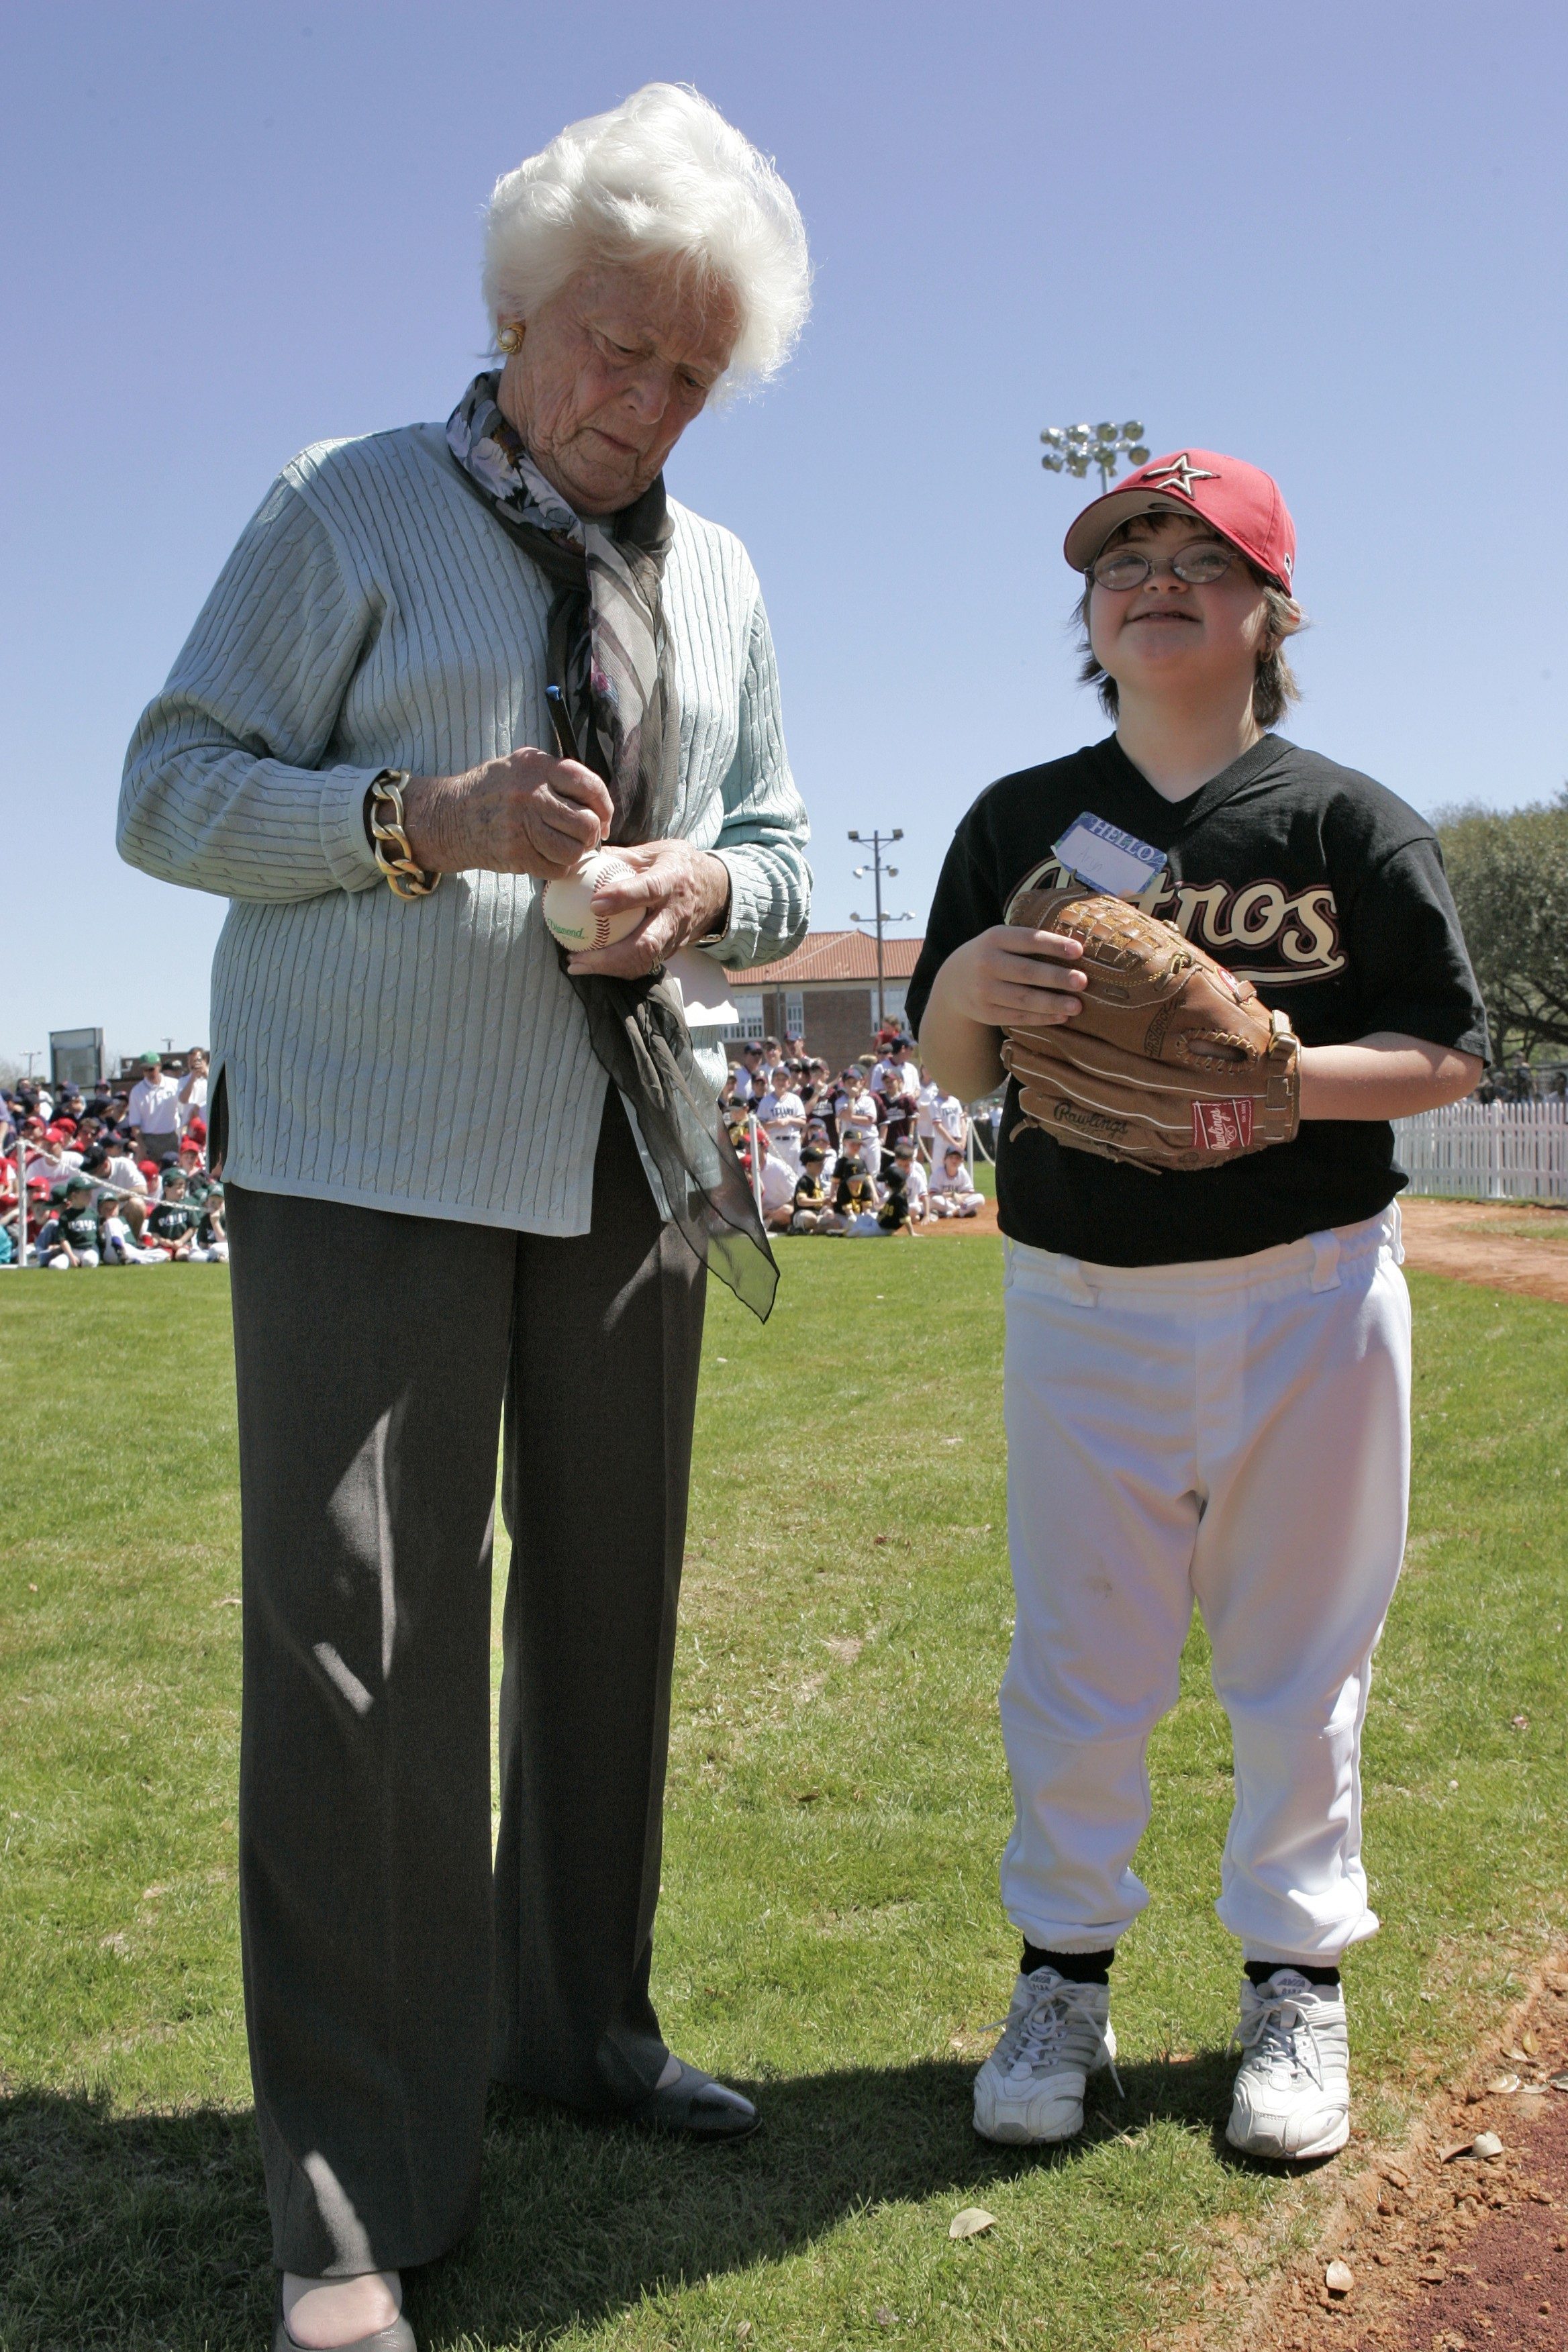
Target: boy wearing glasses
(1207, 1373)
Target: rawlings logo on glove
(1171, 1062)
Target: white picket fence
(1487, 1151)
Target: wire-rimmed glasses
(1125, 568)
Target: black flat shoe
(397, 2337)
(696, 2106)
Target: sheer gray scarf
(613, 696)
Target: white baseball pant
(1238, 1433)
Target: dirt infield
(1518, 1246)
(948, 1229)
(1443, 2249)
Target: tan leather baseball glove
(1172, 1061)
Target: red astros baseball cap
(1239, 501)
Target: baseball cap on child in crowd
(1240, 502)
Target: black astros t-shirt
(1312, 881)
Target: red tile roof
(834, 956)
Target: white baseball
(570, 914)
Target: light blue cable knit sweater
(423, 1056)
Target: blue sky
(1326, 239)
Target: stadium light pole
(877, 841)
(1074, 448)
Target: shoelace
(1277, 2036)
(1045, 2023)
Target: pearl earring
(509, 339)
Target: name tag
(1107, 858)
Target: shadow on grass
(139, 2231)
(130, 2231)
(580, 2220)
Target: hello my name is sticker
(1107, 858)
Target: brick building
(825, 991)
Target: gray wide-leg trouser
(387, 1974)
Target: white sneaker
(1056, 2035)
(1292, 2097)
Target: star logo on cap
(1179, 474)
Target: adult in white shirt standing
(191, 1101)
(153, 1111)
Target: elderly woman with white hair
(471, 1178)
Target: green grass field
(830, 1930)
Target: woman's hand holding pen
(529, 813)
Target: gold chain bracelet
(390, 841)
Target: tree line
(1509, 869)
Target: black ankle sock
(1077, 1968)
(1261, 1970)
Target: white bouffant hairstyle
(661, 176)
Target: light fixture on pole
(877, 841)
(1074, 448)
